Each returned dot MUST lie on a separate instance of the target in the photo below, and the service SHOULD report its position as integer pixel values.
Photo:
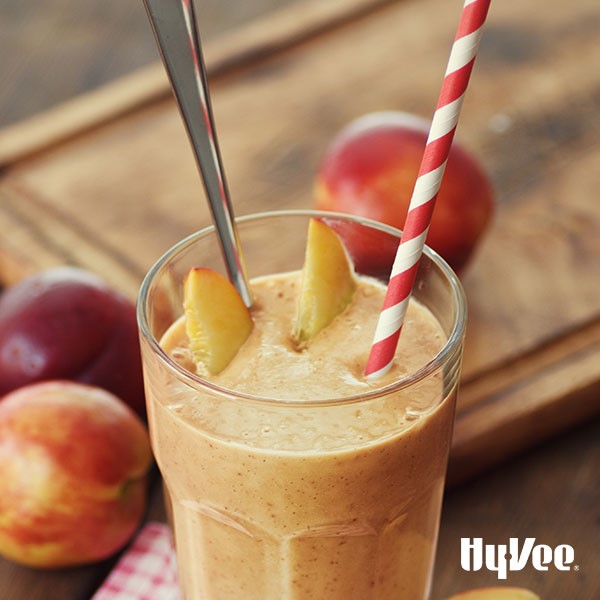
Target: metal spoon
(174, 26)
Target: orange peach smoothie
(332, 489)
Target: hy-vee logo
(474, 554)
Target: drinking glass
(275, 499)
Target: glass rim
(445, 355)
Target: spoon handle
(176, 33)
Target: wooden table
(107, 182)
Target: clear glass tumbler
(274, 499)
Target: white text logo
(474, 554)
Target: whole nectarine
(370, 169)
(73, 468)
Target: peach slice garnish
(327, 284)
(496, 593)
(217, 320)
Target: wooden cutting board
(107, 181)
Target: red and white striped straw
(429, 179)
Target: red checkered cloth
(147, 570)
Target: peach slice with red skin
(327, 284)
(496, 593)
(217, 320)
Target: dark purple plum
(67, 323)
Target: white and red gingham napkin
(147, 570)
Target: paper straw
(429, 179)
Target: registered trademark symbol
(575, 567)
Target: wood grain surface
(107, 182)
(55, 50)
